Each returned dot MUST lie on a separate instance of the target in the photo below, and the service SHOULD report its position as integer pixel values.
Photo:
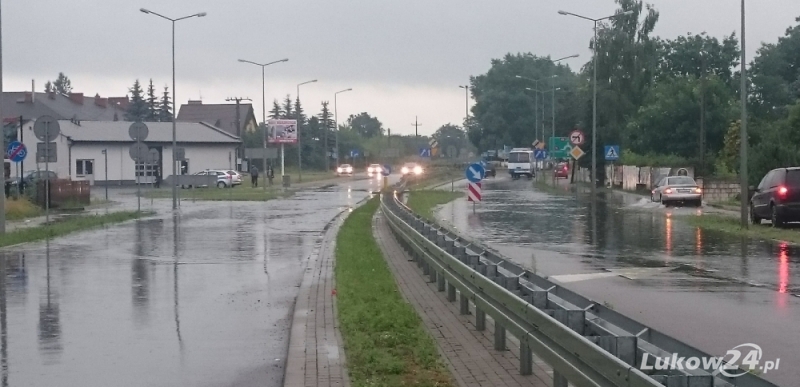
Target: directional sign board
(539, 154)
(433, 143)
(425, 152)
(612, 152)
(354, 153)
(577, 137)
(560, 147)
(474, 192)
(475, 173)
(577, 152)
(16, 151)
(386, 170)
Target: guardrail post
(425, 268)
(464, 304)
(499, 337)
(461, 254)
(624, 347)
(525, 359)
(539, 299)
(559, 380)
(450, 246)
(512, 284)
(451, 292)
(574, 319)
(480, 319)
(440, 281)
(431, 272)
(475, 262)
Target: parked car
(29, 179)
(236, 178)
(561, 170)
(777, 197)
(412, 169)
(374, 169)
(677, 189)
(344, 170)
(224, 179)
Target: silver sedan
(677, 189)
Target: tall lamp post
(336, 119)
(299, 146)
(594, 92)
(264, 112)
(105, 156)
(536, 104)
(466, 109)
(174, 101)
(744, 194)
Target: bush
(652, 160)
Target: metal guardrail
(585, 343)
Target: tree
(775, 74)
(49, 88)
(451, 139)
(698, 56)
(287, 108)
(276, 112)
(326, 126)
(62, 84)
(152, 103)
(365, 125)
(298, 113)
(137, 110)
(165, 108)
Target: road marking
(567, 278)
(631, 274)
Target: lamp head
(201, 14)
(518, 76)
(563, 12)
(285, 60)
(144, 10)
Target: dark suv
(777, 197)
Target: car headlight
(349, 170)
(417, 170)
(404, 170)
(339, 170)
(369, 170)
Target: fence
(586, 344)
(63, 192)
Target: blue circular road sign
(475, 173)
(16, 151)
(386, 170)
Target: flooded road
(201, 299)
(709, 289)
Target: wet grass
(240, 193)
(66, 226)
(732, 225)
(424, 202)
(19, 209)
(385, 341)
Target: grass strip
(424, 202)
(385, 340)
(18, 209)
(732, 225)
(66, 226)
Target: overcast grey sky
(401, 58)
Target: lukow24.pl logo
(738, 361)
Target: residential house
(223, 116)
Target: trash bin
(286, 180)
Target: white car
(224, 179)
(237, 177)
(374, 169)
(344, 169)
(411, 169)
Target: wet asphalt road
(709, 289)
(203, 299)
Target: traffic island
(67, 225)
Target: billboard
(282, 131)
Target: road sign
(539, 154)
(433, 143)
(16, 151)
(386, 170)
(354, 153)
(577, 152)
(612, 152)
(153, 156)
(138, 152)
(46, 152)
(138, 131)
(180, 154)
(576, 137)
(559, 147)
(46, 128)
(475, 173)
(424, 152)
(474, 192)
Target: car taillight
(782, 191)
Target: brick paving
(316, 350)
(469, 354)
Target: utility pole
(240, 149)
(416, 125)
(703, 114)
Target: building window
(145, 169)
(84, 167)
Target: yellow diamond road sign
(577, 152)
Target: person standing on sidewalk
(254, 176)
(270, 173)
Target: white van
(521, 163)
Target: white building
(80, 146)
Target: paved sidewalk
(316, 349)
(469, 354)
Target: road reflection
(49, 318)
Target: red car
(561, 170)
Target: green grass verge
(732, 225)
(423, 202)
(240, 193)
(385, 341)
(68, 225)
(18, 209)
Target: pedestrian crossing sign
(612, 152)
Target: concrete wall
(720, 190)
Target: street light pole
(299, 146)
(336, 119)
(466, 106)
(594, 91)
(743, 186)
(105, 155)
(536, 117)
(264, 113)
(174, 101)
